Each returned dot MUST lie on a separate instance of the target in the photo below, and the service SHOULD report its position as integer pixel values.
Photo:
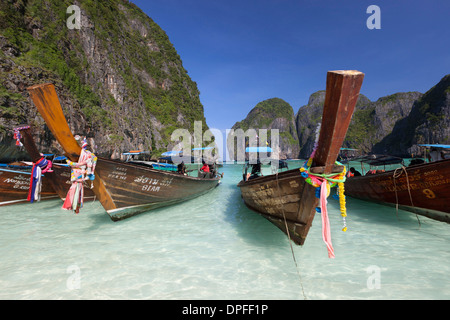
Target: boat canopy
(177, 152)
(171, 153)
(445, 146)
(60, 158)
(204, 148)
(134, 152)
(258, 149)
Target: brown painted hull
(14, 186)
(428, 184)
(60, 180)
(134, 189)
(286, 199)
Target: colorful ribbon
(40, 167)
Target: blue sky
(242, 52)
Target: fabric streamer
(323, 184)
(326, 232)
(18, 136)
(40, 167)
(81, 171)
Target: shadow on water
(375, 213)
(251, 226)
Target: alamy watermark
(251, 145)
(74, 20)
(374, 278)
(73, 282)
(374, 20)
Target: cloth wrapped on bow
(81, 171)
(39, 167)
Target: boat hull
(60, 181)
(134, 190)
(422, 189)
(284, 201)
(15, 184)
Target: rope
(395, 176)
(289, 237)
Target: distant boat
(15, 185)
(123, 189)
(285, 198)
(421, 188)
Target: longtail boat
(15, 185)
(59, 178)
(421, 188)
(285, 198)
(123, 189)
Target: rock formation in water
(393, 124)
(427, 122)
(270, 114)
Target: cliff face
(372, 121)
(394, 124)
(428, 122)
(310, 115)
(119, 79)
(274, 113)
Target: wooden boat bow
(340, 100)
(285, 198)
(124, 189)
(46, 100)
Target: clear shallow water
(213, 247)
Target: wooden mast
(46, 100)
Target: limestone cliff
(310, 115)
(274, 113)
(119, 79)
(427, 122)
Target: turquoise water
(213, 247)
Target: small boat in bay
(286, 198)
(421, 187)
(123, 189)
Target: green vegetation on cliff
(274, 113)
(120, 70)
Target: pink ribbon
(326, 232)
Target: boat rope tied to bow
(82, 171)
